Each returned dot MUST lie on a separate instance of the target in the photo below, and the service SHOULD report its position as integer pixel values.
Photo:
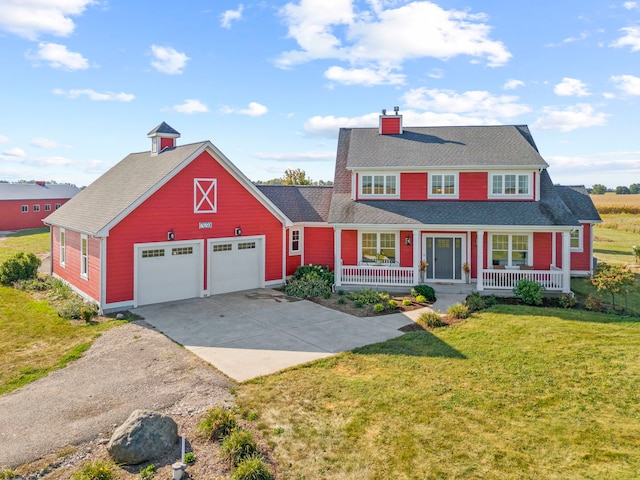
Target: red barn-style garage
(173, 223)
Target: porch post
(417, 247)
(337, 257)
(566, 262)
(554, 248)
(479, 260)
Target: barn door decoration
(204, 195)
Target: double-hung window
(443, 185)
(510, 184)
(63, 247)
(510, 250)
(576, 239)
(84, 256)
(378, 247)
(379, 185)
(295, 241)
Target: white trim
(518, 174)
(298, 251)
(459, 168)
(84, 268)
(463, 253)
(580, 247)
(208, 206)
(510, 248)
(456, 185)
(263, 256)
(454, 228)
(24, 208)
(337, 255)
(384, 175)
(378, 247)
(103, 269)
(63, 247)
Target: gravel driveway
(128, 367)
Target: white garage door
(235, 264)
(168, 272)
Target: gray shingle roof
(31, 191)
(164, 127)
(444, 147)
(301, 203)
(579, 202)
(114, 192)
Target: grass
(515, 392)
(615, 236)
(35, 341)
(583, 286)
(35, 240)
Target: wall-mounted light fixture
(238, 231)
(170, 235)
(407, 241)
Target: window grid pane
(369, 247)
(436, 184)
(366, 184)
(510, 184)
(378, 184)
(449, 184)
(497, 184)
(523, 184)
(388, 245)
(391, 185)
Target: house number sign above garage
(205, 225)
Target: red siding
(413, 186)
(349, 244)
(71, 271)
(167, 142)
(473, 185)
(406, 251)
(542, 250)
(171, 208)
(390, 125)
(581, 261)
(318, 246)
(12, 218)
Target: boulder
(144, 436)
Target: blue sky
(270, 83)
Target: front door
(444, 256)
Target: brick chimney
(390, 124)
(162, 137)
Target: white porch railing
(507, 279)
(376, 275)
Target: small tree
(634, 188)
(622, 190)
(21, 266)
(598, 189)
(295, 177)
(613, 279)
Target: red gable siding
(172, 208)
(12, 218)
(349, 244)
(318, 246)
(473, 185)
(413, 186)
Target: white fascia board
(459, 168)
(453, 228)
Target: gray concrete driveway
(258, 332)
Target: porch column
(480, 260)
(417, 247)
(566, 262)
(554, 248)
(337, 262)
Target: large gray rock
(144, 436)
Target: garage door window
(182, 251)
(158, 252)
(246, 245)
(225, 247)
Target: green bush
(252, 468)
(392, 303)
(36, 284)
(358, 304)
(217, 423)
(148, 472)
(310, 286)
(567, 300)
(593, 303)
(421, 299)
(424, 290)
(475, 302)
(458, 311)
(368, 296)
(59, 289)
(378, 307)
(490, 301)
(189, 457)
(239, 445)
(314, 270)
(7, 474)
(529, 291)
(97, 470)
(341, 301)
(76, 308)
(430, 320)
(21, 266)
(406, 302)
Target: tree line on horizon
(599, 189)
(292, 176)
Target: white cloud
(59, 57)
(14, 152)
(254, 109)
(629, 84)
(41, 142)
(32, 18)
(383, 38)
(631, 5)
(95, 96)
(436, 73)
(571, 87)
(4, 139)
(168, 60)
(229, 16)
(512, 84)
(607, 168)
(313, 156)
(191, 106)
(363, 76)
(578, 116)
(631, 38)
(328, 126)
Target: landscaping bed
(343, 304)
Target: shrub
(475, 302)
(378, 307)
(76, 308)
(21, 266)
(341, 292)
(189, 457)
(424, 290)
(239, 445)
(490, 301)
(252, 468)
(567, 300)
(358, 304)
(217, 423)
(36, 284)
(392, 303)
(97, 470)
(368, 296)
(421, 299)
(8, 474)
(430, 320)
(529, 291)
(341, 301)
(59, 289)
(148, 472)
(593, 303)
(406, 302)
(314, 270)
(312, 285)
(613, 279)
(458, 310)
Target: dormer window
(444, 185)
(510, 185)
(379, 185)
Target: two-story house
(469, 204)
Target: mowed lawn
(36, 240)
(514, 392)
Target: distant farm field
(619, 230)
(612, 203)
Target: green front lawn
(614, 238)
(36, 240)
(511, 393)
